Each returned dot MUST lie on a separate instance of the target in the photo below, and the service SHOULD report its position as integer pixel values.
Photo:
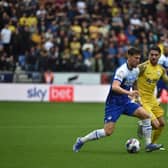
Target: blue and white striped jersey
(163, 60)
(127, 78)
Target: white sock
(147, 130)
(94, 135)
(140, 122)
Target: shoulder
(122, 69)
(143, 66)
(121, 72)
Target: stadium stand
(76, 35)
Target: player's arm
(116, 84)
(135, 98)
(135, 87)
(117, 88)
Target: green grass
(41, 135)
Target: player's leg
(109, 119)
(146, 124)
(146, 129)
(139, 130)
(158, 122)
(99, 133)
(158, 125)
(134, 109)
(157, 132)
(147, 108)
(94, 135)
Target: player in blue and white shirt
(118, 102)
(163, 60)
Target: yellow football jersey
(148, 78)
(147, 81)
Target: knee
(155, 125)
(109, 128)
(145, 116)
(162, 124)
(108, 131)
(142, 114)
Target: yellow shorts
(153, 107)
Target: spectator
(88, 58)
(54, 25)
(6, 35)
(48, 76)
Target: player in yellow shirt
(150, 73)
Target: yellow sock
(155, 134)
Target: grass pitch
(41, 135)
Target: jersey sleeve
(119, 75)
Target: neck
(129, 66)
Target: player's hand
(133, 94)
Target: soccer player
(150, 73)
(163, 60)
(118, 102)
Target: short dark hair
(156, 48)
(133, 51)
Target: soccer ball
(132, 145)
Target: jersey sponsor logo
(36, 92)
(130, 80)
(61, 93)
(150, 81)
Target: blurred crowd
(78, 35)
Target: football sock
(147, 130)
(96, 134)
(156, 133)
(140, 122)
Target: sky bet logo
(61, 93)
(36, 93)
